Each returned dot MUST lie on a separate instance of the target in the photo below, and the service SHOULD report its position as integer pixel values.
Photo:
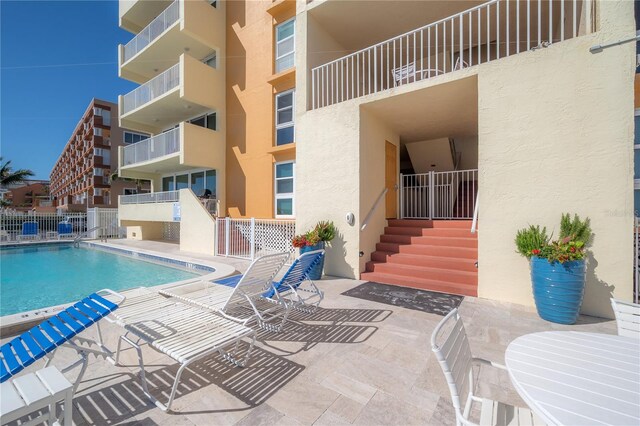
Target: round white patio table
(575, 378)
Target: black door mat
(419, 300)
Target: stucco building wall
(556, 135)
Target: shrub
(575, 235)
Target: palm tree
(8, 176)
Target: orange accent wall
(636, 91)
(250, 109)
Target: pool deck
(351, 362)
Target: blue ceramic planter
(558, 289)
(316, 272)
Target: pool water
(41, 276)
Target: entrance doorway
(390, 179)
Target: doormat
(430, 302)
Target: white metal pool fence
(11, 224)
(104, 224)
(252, 238)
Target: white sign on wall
(176, 212)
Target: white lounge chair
(627, 318)
(246, 301)
(183, 332)
(36, 395)
(454, 356)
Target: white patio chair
(246, 301)
(183, 332)
(456, 361)
(627, 318)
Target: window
(197, 180)
(97, 131)
(132, 137)
(129, 191)
(284, 118)
(285, 45)
(208, 121)
(284, 188)
(210, 60)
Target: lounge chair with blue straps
(245, 302)
(65, 230)
(41, 342)
(295, 286)
(29, 231)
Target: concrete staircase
(438, 255)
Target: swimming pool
(39, 276)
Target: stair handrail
(474, 223)
(366, 220)
(83, 234)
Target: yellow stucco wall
(556, 135)
(250, 109)
(197, 227)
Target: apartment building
(29, 195)
(428, 131)
(219, 107)
(81, 177)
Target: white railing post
(474, 223)
(431, 194)
(401, 196)
(227, 235)
(252, 239)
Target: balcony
(192, 26)
(185, 147)
(474, 36)
(151, 207)
(187, 89)
(137, 14)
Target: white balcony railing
(148, 149)
(152, 89)
(152, 197)
(487, 32)
(167, 18)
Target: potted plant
(315, 239)
(558, 270)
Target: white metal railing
(474, 224)
(212, 205)
(438, 195)
(167, 18)
(157, 86)
(367, 218)
(151, 197)
(11, 223)
(252, 238)
(484, 33)
(157, 146)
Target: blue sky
(54, 57)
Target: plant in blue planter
(315, 239)
(558, 269)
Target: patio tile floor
(351, 362)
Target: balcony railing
(152, 197)
(158, 146)
(152, 31)
(152, 89)
(484, 33)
